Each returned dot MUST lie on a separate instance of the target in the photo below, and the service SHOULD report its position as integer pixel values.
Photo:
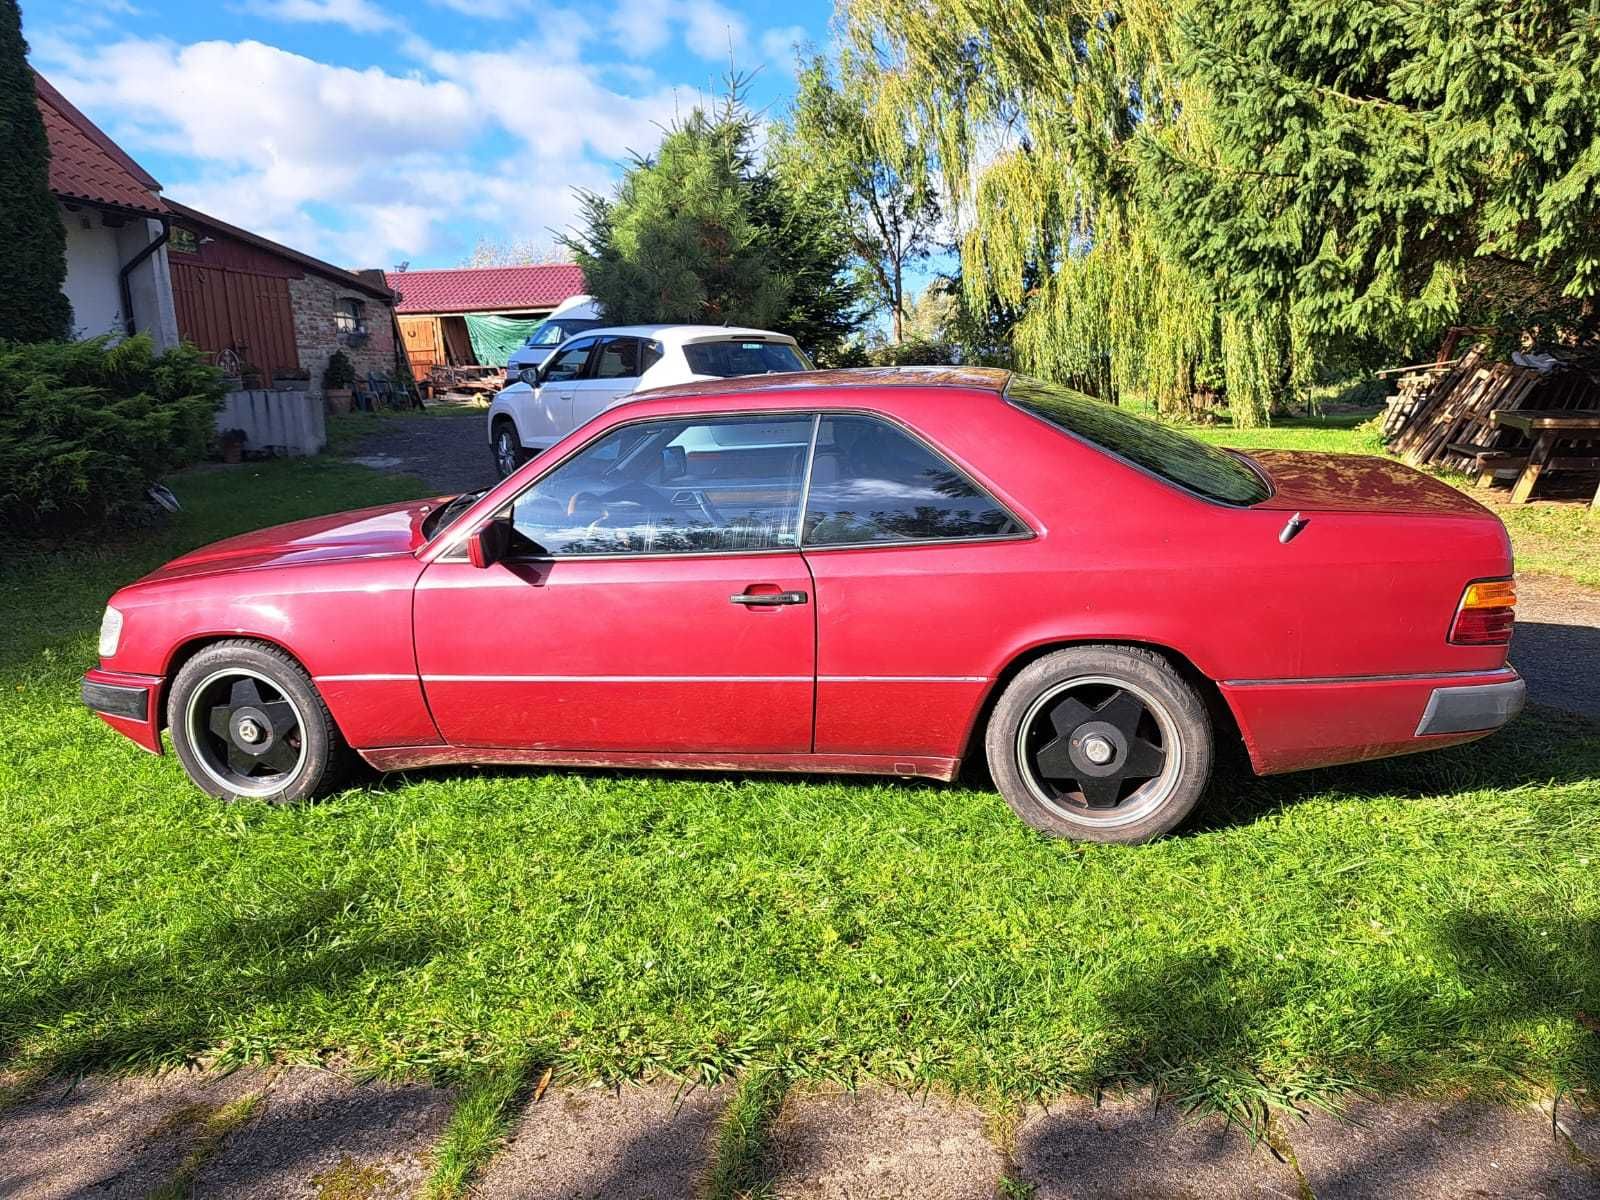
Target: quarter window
(672, 487)
(872, 483)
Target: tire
(506, 447)
(274, 739)
(1073, 758)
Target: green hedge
(87, 427)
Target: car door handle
(763, 598)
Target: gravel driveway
(1557, 643)
(450, 450)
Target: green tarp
(494, 339)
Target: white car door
(559, 381)
(613, 375)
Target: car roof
(680, 334)
(983, 379)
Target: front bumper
(130, 704)
(1294, 724)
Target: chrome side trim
(1507, 672)
(676, 678)
(616, 678)
(902, 679)
(360, 678)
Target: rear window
(733, 357)
(1186, 461)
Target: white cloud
(371, 166)
(359, 16)
(366, 166)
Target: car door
(559, 381)
(612, 376)
(912, 563)
(655, 600)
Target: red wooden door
(220, 309)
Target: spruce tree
(32, 306)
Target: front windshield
(447, 515)
(1186, 461)
(548, 334)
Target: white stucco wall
(92, 266)
(95, 256)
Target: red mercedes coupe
(885, 572)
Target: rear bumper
(1292, 725)
(130, 704)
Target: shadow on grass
(1543, 747)
(164, 1006)
(1207, 1033)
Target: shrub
(87, 427)
(339, 373)
(912, 352)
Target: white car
(572, 316)
(601, 367)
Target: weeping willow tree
(1041, 119)
(1193, 198)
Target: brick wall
(317, 335)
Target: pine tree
(32, 306)
(680, 242)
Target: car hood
(1316, 482)
(364, 533)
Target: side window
(678, 486)
(569, 363)
(871, 482)
(650, 353)
(618, 358)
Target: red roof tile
(87, 165)
(485, 289)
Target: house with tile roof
(140, 262)
(437, 309)
(118, 279)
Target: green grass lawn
(1428, 923)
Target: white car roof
(681, 335)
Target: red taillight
(1486, 614)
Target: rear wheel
(507, 447)
(247, 723)
(1100, 743)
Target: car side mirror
(529, 376)
(488, 544)
(674, 463)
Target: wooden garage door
(250, 314)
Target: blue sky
(372, 133)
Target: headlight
(110, 632)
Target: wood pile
(1447, 422)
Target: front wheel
(1100, 743)
(507, 447)
(247, 723)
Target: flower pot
(338, 399)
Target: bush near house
(87, 427)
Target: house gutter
(133, 264)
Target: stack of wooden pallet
(1450, 425)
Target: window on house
(348, 316)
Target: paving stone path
(314, 1134)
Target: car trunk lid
(1303, 481)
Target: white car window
(568, 364)
(742, 357)
(618, 359)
